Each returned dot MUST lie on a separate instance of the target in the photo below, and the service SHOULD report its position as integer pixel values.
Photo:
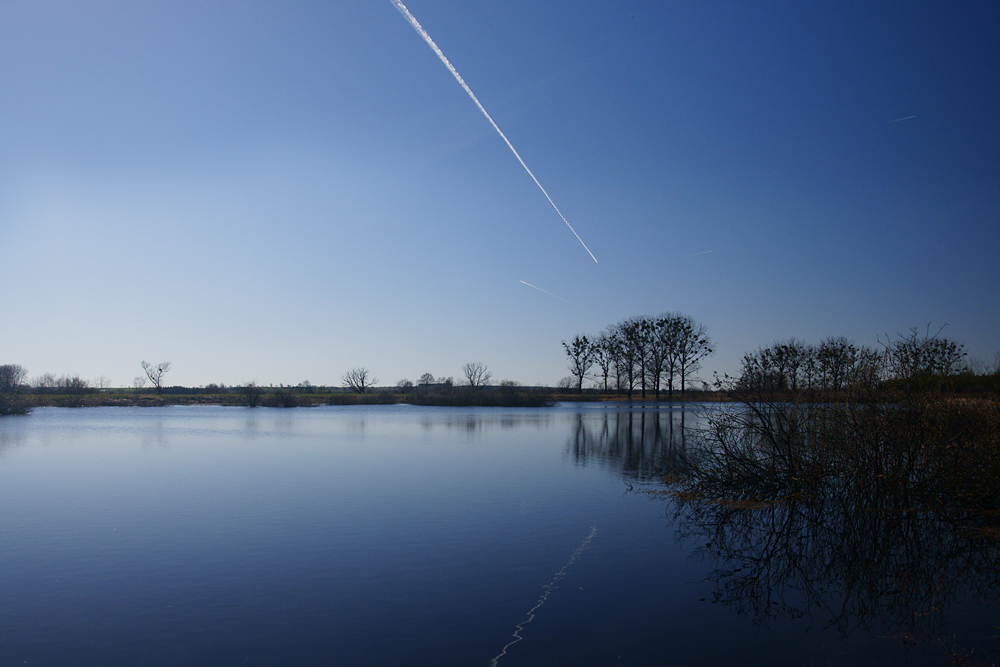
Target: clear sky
(282, 191)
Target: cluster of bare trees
(648, 353)
(477, 376)
(837, 362)
(47, 383)
(793, 365)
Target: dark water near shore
(393, 535)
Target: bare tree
(405, 385)
(425, 381)
(155, 373)
(694, 345)
(603, 357)
(138, 382)
(102, 382)
(12, 377)
(630, 346)
(924, 355)
(359, 380)
(581, 357)
(251, 393)
(662, 356)
(72, 384)
(476, 374)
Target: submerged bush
(877, 445)
(281, 398)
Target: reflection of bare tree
(471, 422)
(155, 437)
(478, 421)
(887, 572)
(643, 444)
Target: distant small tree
(138, 382)
(155, 373)
(72, 384)
(565, 383)
(405, 386)
(251, 392)
(476, 374)
(12, 377)
(359, 380)
(425, 381)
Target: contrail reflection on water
(546, 590)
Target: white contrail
(544, 292)
(899, 119)
(703, 252)
(458, 77)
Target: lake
(396, 535)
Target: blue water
(376, 535)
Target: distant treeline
(645, 354)
(837, 364)
(18, 396)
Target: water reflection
(155, 437)
(643, 445)
(472, 422)
(10, 439)
(895, 573)
(904, 574)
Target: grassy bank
(290, 398)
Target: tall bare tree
(693, 346)
(359, 380)
(626, 354)
(603, 357)
(476, 374)
(155, 373)
(662, 355)
(581, 357)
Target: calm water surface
(389, 535)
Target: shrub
(12, 400)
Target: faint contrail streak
(899, 119)
(547, 589)
(458, 77)
(703, 252)
(544, 292)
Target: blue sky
(284, 191)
